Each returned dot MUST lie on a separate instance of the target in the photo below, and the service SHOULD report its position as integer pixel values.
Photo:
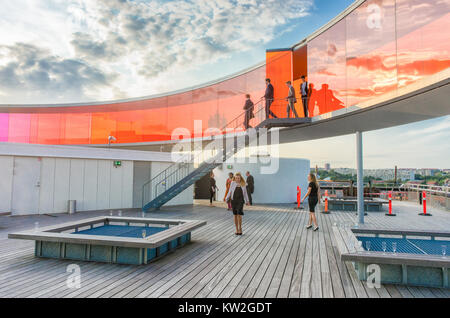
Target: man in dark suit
(304, 90)
(269, 99)
(248, 107)
(250, 186)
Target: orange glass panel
(205, 107)
(179, 112)
(279, 70)
(76, 128)
(49, 129)
(102, 126)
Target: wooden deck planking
(276, 257)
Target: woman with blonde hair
(313, 195)
(238, 196)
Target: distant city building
(327, 167)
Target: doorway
(26, 186)
(201, 188)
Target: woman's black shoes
(315, 229)
(309, 226)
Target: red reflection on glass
(423, 47)
(371, 53)
(327, 71)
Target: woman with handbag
(238, 196)
(228, 184)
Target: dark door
(201, 191)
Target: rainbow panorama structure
(378, 64)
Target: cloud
(28, 72)
(169, 35)
(143, 42)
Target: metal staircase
(182, 174)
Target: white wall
(6, 182)
(95, 184)
(280, 187)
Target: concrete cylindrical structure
(72, 206)
(279, 187)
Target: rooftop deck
(276, 257)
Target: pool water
(122, 230)
(411, 246)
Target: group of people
(239, 192)
(269, 99)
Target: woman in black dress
(238, 196)
(313, 199)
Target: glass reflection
(381, 49)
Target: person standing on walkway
(268, 96)
(313, 195)
(212, 188)
(304, 90)
(228, 184)
(291, 100)
(250, 186)
(248, 107)
(238, 196)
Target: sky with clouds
(54, 51)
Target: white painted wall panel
(90, 185)
(77, 182)
(62, 186)
(141, 175)
(103, 184)
(6, 181)
(127, 184)
(47, 191)
(115, 199)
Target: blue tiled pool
(406, 245)
(122, 230)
